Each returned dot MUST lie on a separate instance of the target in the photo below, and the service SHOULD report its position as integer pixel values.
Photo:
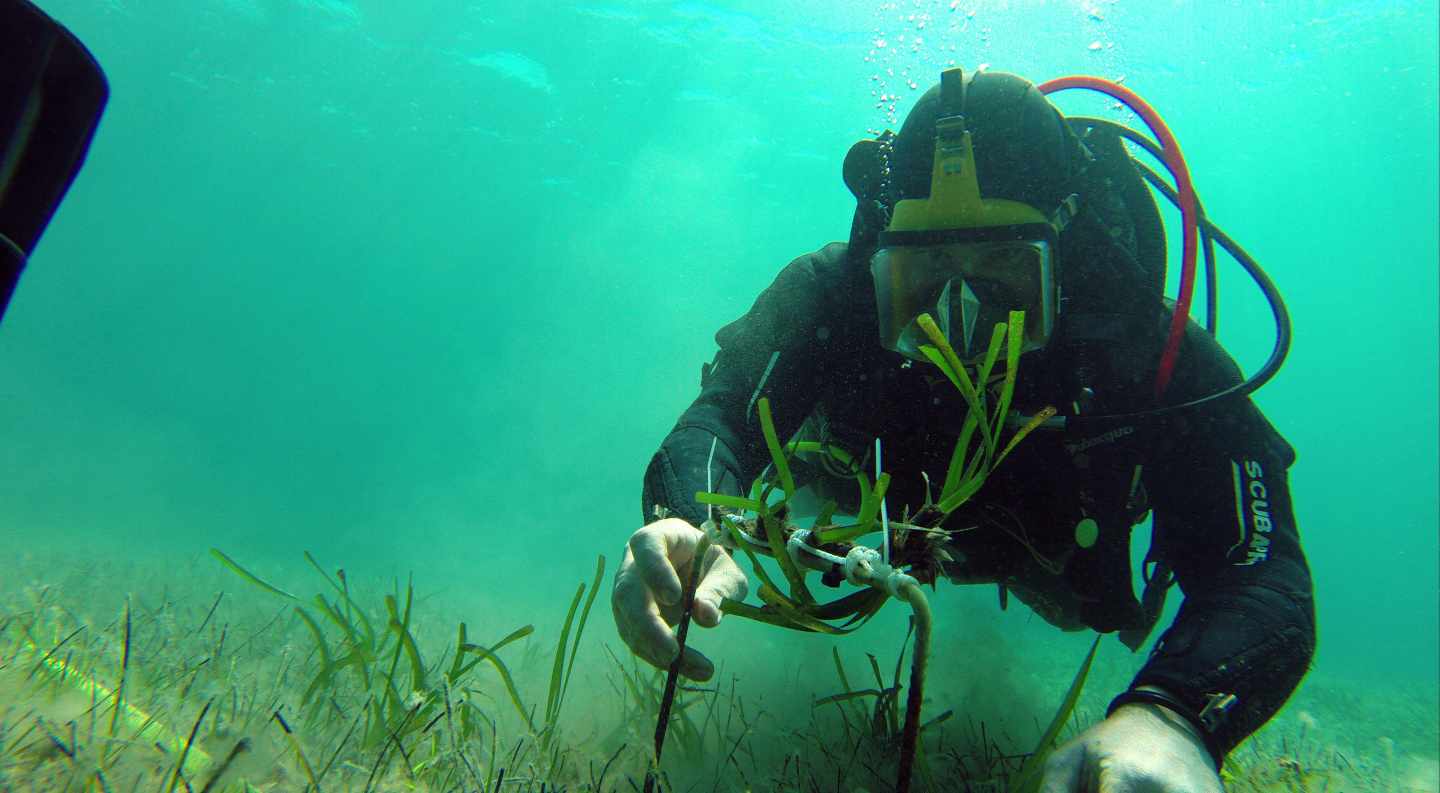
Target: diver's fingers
(637, 616)
(648, 592)
(695, 666)
(723, 579)
(1064, 771)
(660, 549)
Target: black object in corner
(52, 92)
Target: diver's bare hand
(1140, 748)
(648, 591)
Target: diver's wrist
(1165, 705)
(1173, 711)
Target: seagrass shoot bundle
(910, 550)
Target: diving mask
(967, 285)
(966, 260)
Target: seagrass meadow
(214, 678)
(326, 398)
(169, 667)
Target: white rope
(863, 567)
(884, 513)
(739, 526)
(795, 543)
(800, 540)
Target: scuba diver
(986, 203)
(52, 93)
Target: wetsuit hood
(1111, 256)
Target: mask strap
(952, 92)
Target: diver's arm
(779, 349)
(1224, 522)
(772, 351)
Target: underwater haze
(419, 288)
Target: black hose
(1267, 287)
(1212, 289)
(1208, 231)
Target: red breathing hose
(1175, 163)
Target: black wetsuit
(1215, 478)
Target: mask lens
(908, 282)
(1008, 271)
(966, 287)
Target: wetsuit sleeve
(1224, 523)
(777, 350)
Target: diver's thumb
(724, 579)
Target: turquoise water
(422, 286)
